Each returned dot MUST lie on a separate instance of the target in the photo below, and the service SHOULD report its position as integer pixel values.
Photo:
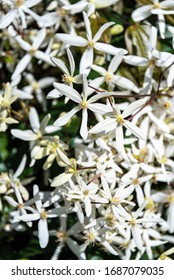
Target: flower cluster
(88, 90)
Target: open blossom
(18, 9)
(90, 43)
(84, 104)
(117, 120)
(32, 51)
(155, 8)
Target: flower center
(43, 215)
(35, 86)
(163, 160)
(120, 119)
(61, 236)
(135, 181)
(115, 200)
(84, 104)
(67, 79)
(32, 51)
(91, 44)
(132, 222)
(19, 3)
(108, 77)
(157, 6)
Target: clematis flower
(18, 9)
(156, 8)
(32, 50)
(117, 120)
(90, 43)
(83, 104)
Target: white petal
(142, 13)
(61, 179)
(21, 66)
(108, 48)
(39, 39)
(43, 234)
(119, 138)
(68, 92)
(64, 119)
(134, 129)
(20, 167)
(125, 83)
(63, 157)
(8, 18)
(43, 57)
(132, 108)
(34, 119)
(61, 65)
(88, 27)
(99, 69)
(137, 237)
(101, 30)
(99, 108)
(71, 61)
(103, 125)
(26, 135)
(115, 62)
(83, 127)
(86, 61)
(31, 3)
(72, 40)
(24, 45)
(54, 94)
(136, 60)
(88, 207)
(11, 201)
(159, 123)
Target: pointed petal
(101, 30)
(136, 60)
(115, 62)
(134, 129)
(43, 234)
(8, 18)
(125, 83)
(71, 61)
(21, 66)
(108, 48)
(68, 92)
(132, 108)
(60, 64)
(26, 135)
(72, 40)
(61, 179)
(86, 61)
(83, 127)
(88, 27)
(64, 119)
(142, 13)
(39, 38)
(20, 167)
(103, 125)
(34, 119)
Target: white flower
(157, 8)
(83, 104)
(113, 79)
(42, 215)
(18, 8)
(90, 43)
(32, 50)
(38, 129)
(117, 120)
(66, 237)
